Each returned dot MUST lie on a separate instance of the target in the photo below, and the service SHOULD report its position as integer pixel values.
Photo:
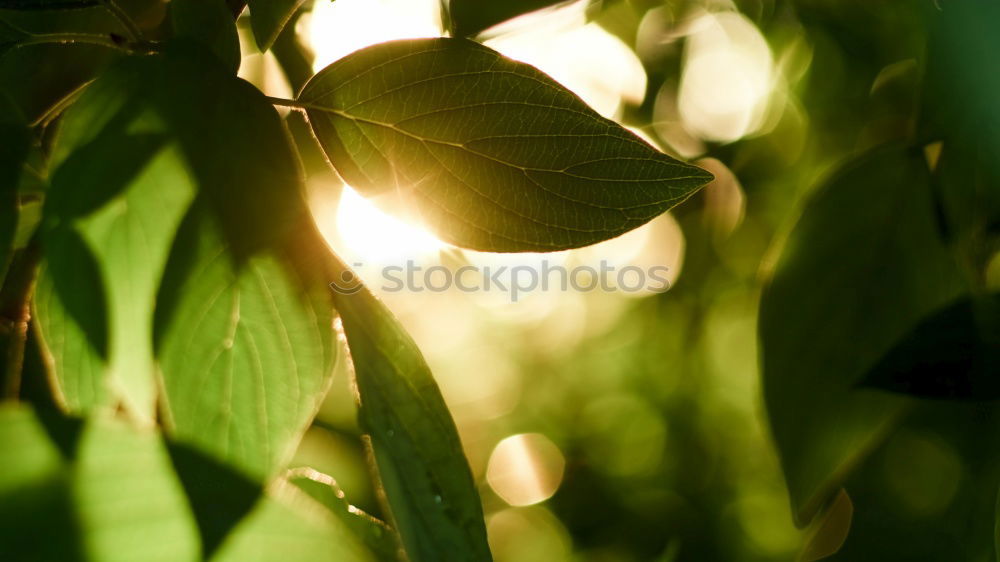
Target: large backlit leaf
(428, 485)
(246, 346)
(493, 154)
(268, 17)
(111, 496)
(860, 269)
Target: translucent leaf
(493, 154)
(246, 346)
(107, 493)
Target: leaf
(829, 530)
(493, 154)
(288, 525)
(115, 200)
(268, 17)
(952, 354)
(469, 17)
(863, 265)
(246, 347)
(38, 79)
(209, 22)
(375, 534)
(428, 485)
(143, 141)
(114, 498)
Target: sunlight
(373, 235)
(525, 469)
(594, 64)
(727, 78)
(336, 29)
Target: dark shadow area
(219, 496)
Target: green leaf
(469, 17)
(428, 485)
(493, 154)
(246, 346)
(114, 487)
(268, 18)
(375, 534)
(288, 525)
(122, 193)
(863, 265)
(132, 153)
(210, 23)
(69, 309)
(952, 354)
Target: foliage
(171, 340)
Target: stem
(131, 28)
(73, 38)
(288, 103)
(15, 309)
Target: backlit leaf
(428, 485)
(111, 495)
(246, 346)
(491, 153)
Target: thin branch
(73, 39)
(288, 103)
(131, 28)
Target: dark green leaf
(954, 353)
(428, 485)
(210, 23)
(268, 17)
(860, 269)
(493, 154)
(469, 17)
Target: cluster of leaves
(169, 332)
(879, 304)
